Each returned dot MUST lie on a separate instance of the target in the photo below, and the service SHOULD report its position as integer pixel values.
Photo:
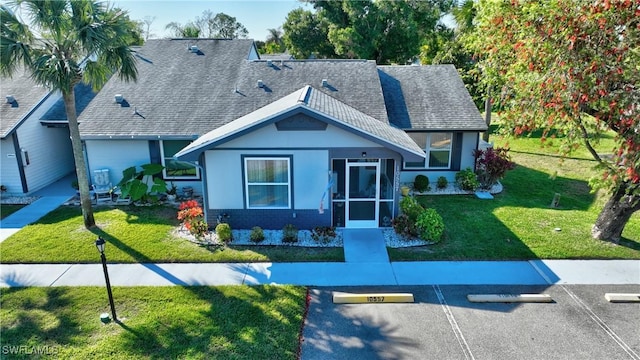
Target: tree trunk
(487, 115)
(615, 215)
(78, 155)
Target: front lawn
(225, 322)
(134, 234)
(519, 223)
(8, 209)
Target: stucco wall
(116, 155)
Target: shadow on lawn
(35, 320)
(252, 324)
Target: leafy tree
(227, 27)
(274, 43)
(189, 30)
(305, 34)
(68, 42)
(388, 31)
(208, 25)
(570, 67)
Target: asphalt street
(442, 324)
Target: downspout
(19, 163)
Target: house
(273, 142)
(35, 144)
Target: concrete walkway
(364, 246)
(534, 272)
(51, 197)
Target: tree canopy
(572, 69)
(208, 25)
(388, 31)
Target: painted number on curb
(375, 299)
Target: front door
(362, 196)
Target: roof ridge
(305, 94)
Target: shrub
(491, 165)
(257, 235)
(223, 231)
(442, 183)
(410, 207)
(192, 218)
(421, 183)
(430, 225)
(402, 225)
(289, 234)
(323, 234)
(467, 180)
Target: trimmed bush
(223, 231)
(323, 234)
(402, 225)
(257, 235)
(410, 207)
(421, 183)
(289, 234)
(430, 225)
(442, 183)
(467, 180)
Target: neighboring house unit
(273, 142)
(33, 154)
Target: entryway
(365, 246)
(363, 193)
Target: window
(437, 147)
(174, 169)
(267, 182)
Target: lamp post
(100, 242)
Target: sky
(256, 15)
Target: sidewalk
(534, 272)
(51, 197)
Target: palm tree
(67, 42)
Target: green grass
(519, 223)
(8, 209)
(134, 234)
(226, 322)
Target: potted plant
(405, 190)
(172, 192)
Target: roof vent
(193, 48)
(325, 82)
(260, 84)
(269, 63)
(10, 99)
(119, 98)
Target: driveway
(442, 324)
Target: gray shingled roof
(184, 94)
(428, 98)
(27, 95)
(311, 99)
(83, 94)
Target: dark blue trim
(18, 152)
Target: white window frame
(246, 181)
(164, 171)
(428, 151)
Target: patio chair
(102, 185)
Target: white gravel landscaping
(274, 237)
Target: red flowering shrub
(491, 165)
(191, 216)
